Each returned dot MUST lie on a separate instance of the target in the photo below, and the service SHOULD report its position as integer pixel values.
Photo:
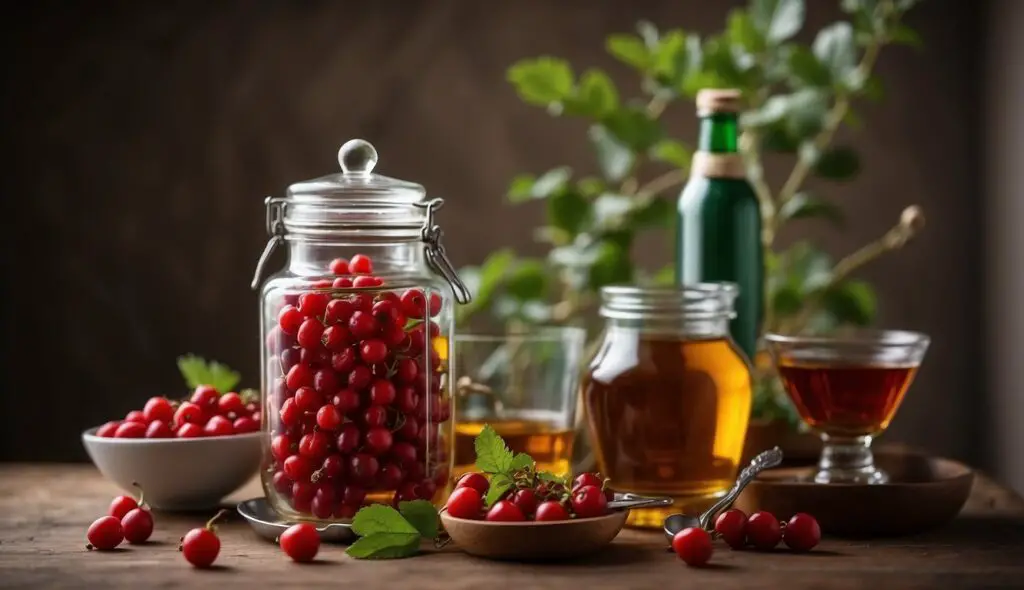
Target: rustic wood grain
(45, 510)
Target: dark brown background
(140, 138)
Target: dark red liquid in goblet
(846, 400)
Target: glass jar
(356, 344)
(667, 395)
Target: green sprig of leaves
(197, 371)
(386, 533)
(505, 468)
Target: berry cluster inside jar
(357, 392)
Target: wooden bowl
(534, 541)
(924, 492)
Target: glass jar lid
(700, 301)
(354, 199)
(357, 204)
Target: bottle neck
(718, 133)
(311, 257)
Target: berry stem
(142, 494)
(209, 523)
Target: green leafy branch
(798, 97)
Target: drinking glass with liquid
(524, 386)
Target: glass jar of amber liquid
(667, 395)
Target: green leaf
(542, 81)
(483, 282)
(527, 280)
(568, 210)
(385, 546)
(422, 515)
(551, 182)
(630, 50)
(778, 20)
(595, 97)
(379, 518)
(521, 188)
(649, 33)
(671, 152)
(806, 68)
(787, 301)
(492, 456)
(903, 35)
(851, 302)
(610, 210)
(634, 127)
(804, 206)
(672, 61)
(612, 266)
(801, 112)
(196, 371)
(500, 484)
(834, 47)
(853, 6)
(522, 461)
(744, 33)
(653, 212)
(613, 156)
(837, 163)
(721, 64)
(590, 186)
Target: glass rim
(869, 337)
(536, 334)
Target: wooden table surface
(45, 510)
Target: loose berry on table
(731, 525)
(104, 533)
(301, 542)
(693, 545)
(200, 546)
(802, 532)
(763, 530)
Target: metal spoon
(629, 501)
(677, 522)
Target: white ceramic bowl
(176, 473)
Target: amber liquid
(668, 418)
(549, 443)
(846, 400)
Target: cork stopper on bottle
(718, 100)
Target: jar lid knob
(357, 157)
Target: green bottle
(719, 232)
